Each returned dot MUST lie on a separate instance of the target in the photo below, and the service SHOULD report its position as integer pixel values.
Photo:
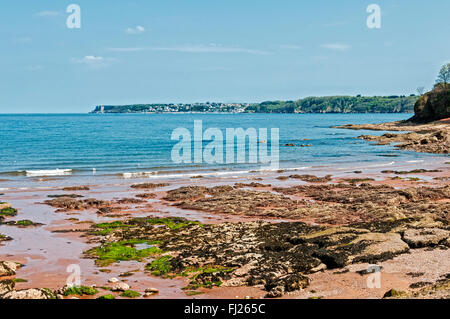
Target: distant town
(173, 108)
(329, 104)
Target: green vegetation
(173, 223)
(106, 228)
(193, 285)
(81, 290)
(122, 251)
(193, 293)
(444, 75)
(25, 223)
(107, 297)
(4, 237)
(339, 104)
(8, 212)
(160, 266)
(18, 280)
(130, 294)
(203, 272)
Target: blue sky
(148, 51)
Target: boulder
(8, 268)
(32, 293)
(121, 286)
(379, 246)
(417, 238)
(150, 292)
(6, 286)
(4, 205)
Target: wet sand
(47, 251)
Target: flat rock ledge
(276, 257)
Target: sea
(92, 147)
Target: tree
(421, 90)
(444, 74)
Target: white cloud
(291, 47)
(211, 48)
(138, 30)
(336, 46)
(48, 13)
(92, 60)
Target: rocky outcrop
(417, 238)
(6, 286)
(427, 138)
(32, 293)
(275, 256)
(8, 268)
(433, 106)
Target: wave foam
(49, 172)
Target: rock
(121, 286)
(152, 290)
(113, 280)
(277, 287)
(4, 205)
(447, 242)
(380, 246)
(8, 268)
(6, 286)
(276, 292)
(394, 294)
(417, 238)
(32, 293)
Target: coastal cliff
(434, 105)
(326, 104)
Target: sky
(184, 51)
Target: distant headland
(328, 104)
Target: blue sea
(77, 145)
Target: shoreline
(369, 214)
(61, 227)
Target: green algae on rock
(8, 212)
(79, 290)
(276, 256)
(113, 252)
(130, 294)
(22, 223)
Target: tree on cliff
(444, 74)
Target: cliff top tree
(444, 75)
